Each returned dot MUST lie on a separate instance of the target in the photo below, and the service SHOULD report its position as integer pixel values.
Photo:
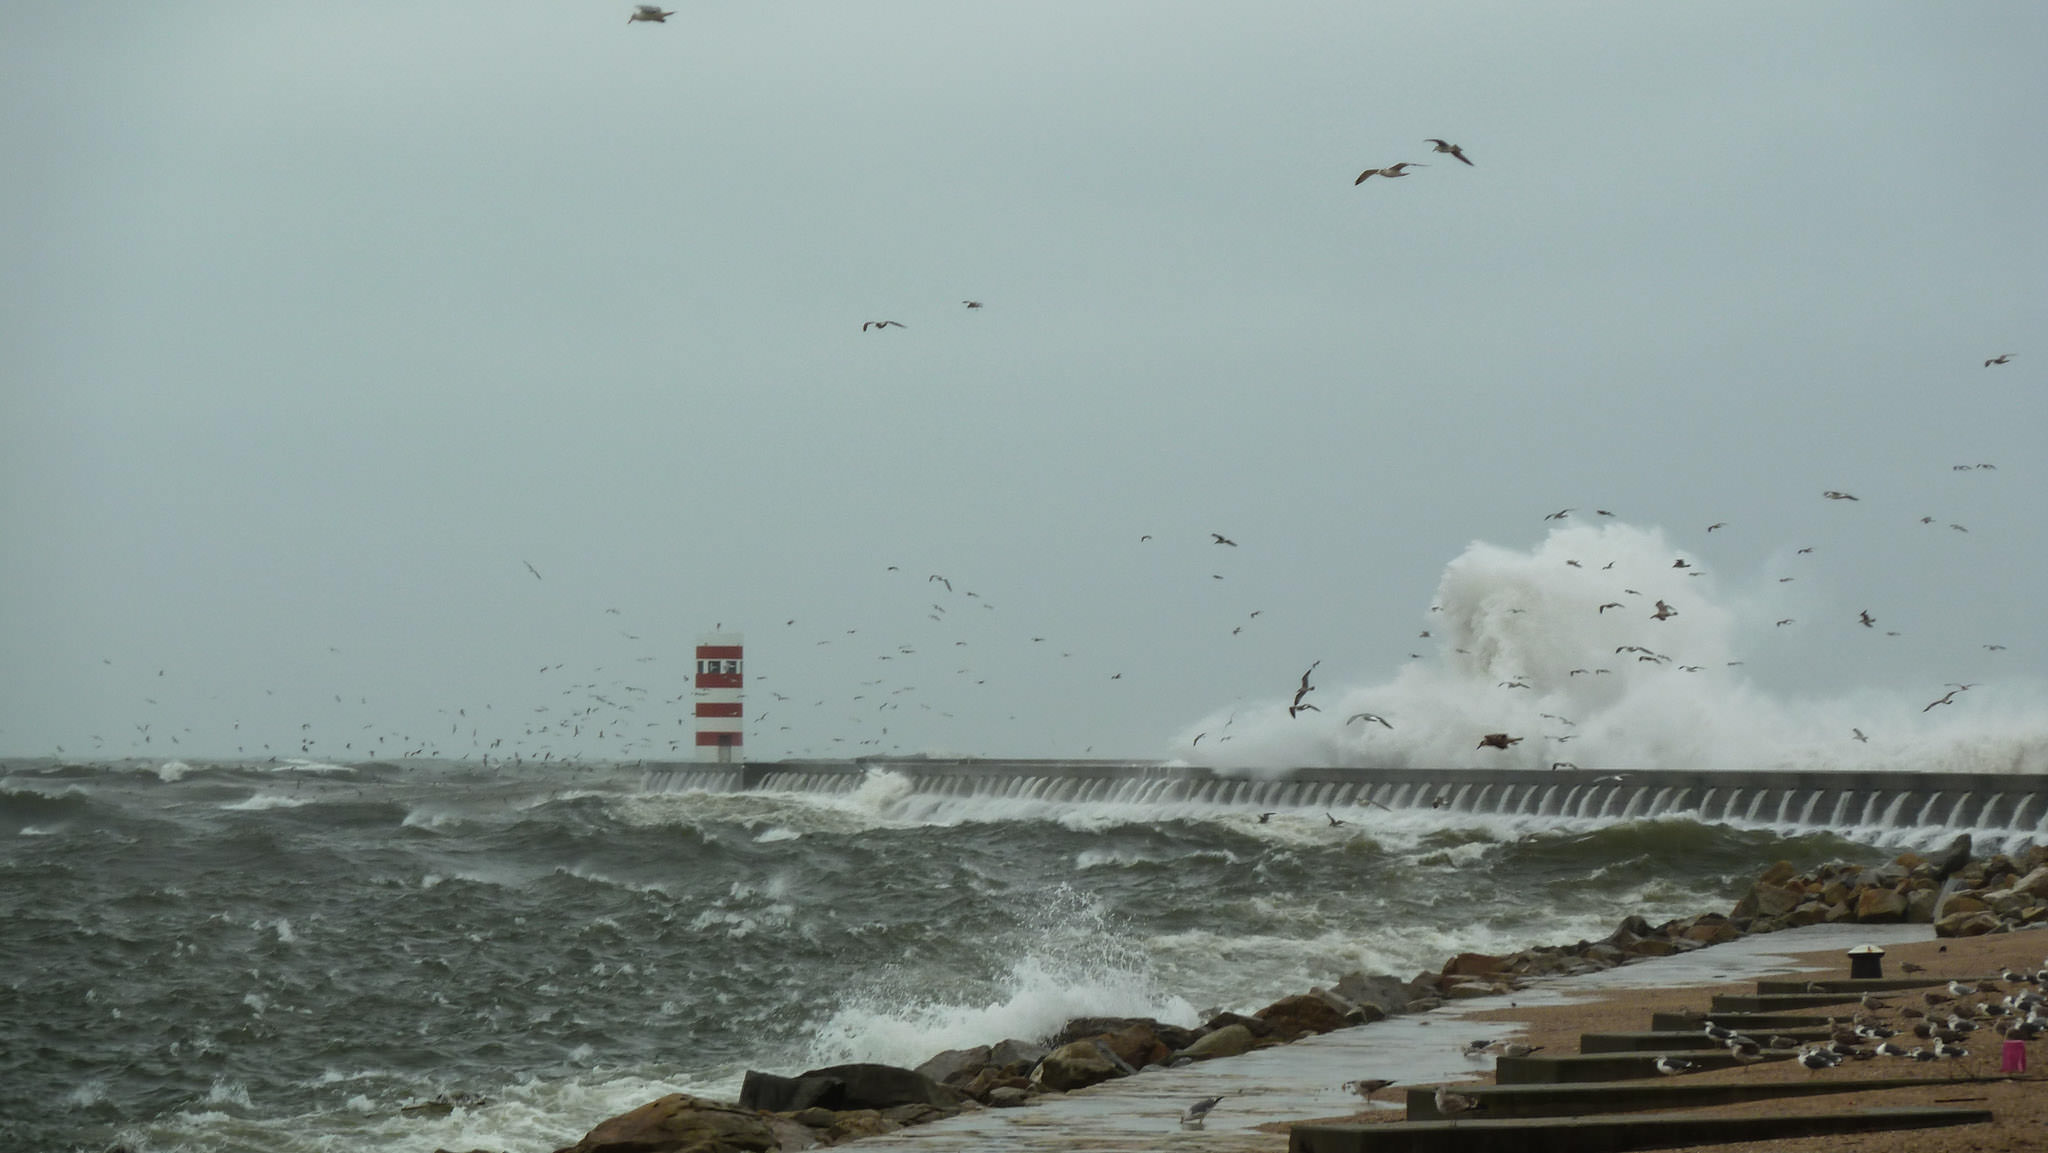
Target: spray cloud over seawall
(1597, 649)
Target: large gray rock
(1302, 1014)
(955, 1063)
(1389, 993)
(2034, 884)
(1969, 924)
(1951, 859)
(843, 1087)
(1080, 1028)
(1013, 1053)
(680, 1123)
(1077, 1065)
(1880, 905)
(1228, 1041)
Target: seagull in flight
(1221, 539)
(972, 303)
(531, 569)
(1560, 514)
(1831, 494)
(1368, 717)
(1305, 688)
(1864, 618)
(878, 325)
(649, 13)
(2002, 358)
(1497, 741)
(1448, 148)
(1390, 172)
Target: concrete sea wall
(2000, 809)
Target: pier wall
(2005, 809)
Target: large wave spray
(1598, 649)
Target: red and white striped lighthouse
(719, 720)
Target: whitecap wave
(259, 802)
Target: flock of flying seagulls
(1395, 171)
(1663, 610)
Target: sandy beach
(2019, 1103)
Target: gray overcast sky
(321, 320)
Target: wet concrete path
(1301, 1081)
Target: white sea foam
(226, 1092)
(258, 802)
(1615, 688)
(527, 1114)
(297, 765)
(1079, 963)
(172, 771)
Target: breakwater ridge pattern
(1996, 807)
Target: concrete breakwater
(1999, 809)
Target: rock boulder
(680, 1123)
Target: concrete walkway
(1301, 1081)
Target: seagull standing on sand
(1367, 1088)
(1193, 1116)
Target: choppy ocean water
(280, 957)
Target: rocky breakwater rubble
(1957, 894)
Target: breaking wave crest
(1562, 648)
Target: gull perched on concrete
(1193, 1116)
(1451, 1104)
(1673, 1066)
